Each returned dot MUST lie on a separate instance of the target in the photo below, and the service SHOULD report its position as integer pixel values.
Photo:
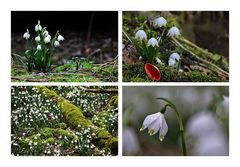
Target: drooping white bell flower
(38, 27)
(45, 33)
(140, 58)
(47, 39)
(158, 60)
(155, 122)
(140, 34)
(174, 56)
(174, 31)
(161, 21)
(37, 39)
(39, 47)
(26, 35)
(171, 62)
(56, 44)
(152, 42)
(60, 38)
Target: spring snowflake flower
(174, 31)
(56, 44)
(171, 62)
(140, 34)
(47, 39)
(155, 122)
(175, 56)
(26, 35)
(37, 39)
(39, 47)
(38, 27)
(161, 21)
(60, 38)
(45, 33)
(153, 42)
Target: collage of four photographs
(83, 120)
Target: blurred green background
(205, 116)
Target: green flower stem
(179, 118)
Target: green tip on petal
(161, 137)
(151, 132)
(142, 128)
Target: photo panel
(64, 46)
(175, 46)
(64, 120)
(175, 121)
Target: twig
(30, 79)
(112, 91)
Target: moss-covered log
(76, 120)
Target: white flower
(171, 62)
(56, 44)
(140, 58)
(26, 35)
(38, 27)
(158, 60)
(153, 42)
(174, 31)
(60, 38)
(155, 122)
(49, 36)
(39, 47)
(160, 22)
(47, 39)
(175, 56)
(37, 39)
(140, 34)
(45, 33)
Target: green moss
(61, 125)
(136, 72)
(111, 145)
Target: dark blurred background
(103, 21)
(85, 32)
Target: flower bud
(39, 47)
(56, 44)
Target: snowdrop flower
(140, 34)
(161, 21)
(38, 27)
(140, 58)
(153, 42)
(39, 47)
(155, 122)
(26, 35)
(47, 39)
(174, 31)
(175, 56)
(171, 62)
(45, 33)
(37, 39)
(60, 38)
(56, 44)
(158, 60)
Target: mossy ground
(136, 73)
(67, 73)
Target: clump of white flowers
(152, 45)
(42, 124)
(174, 60)
(41, 57)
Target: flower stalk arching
(179, 118)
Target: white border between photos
(120, 5)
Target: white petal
(149, 119)
(154, 127)
(163, 128)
